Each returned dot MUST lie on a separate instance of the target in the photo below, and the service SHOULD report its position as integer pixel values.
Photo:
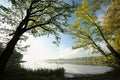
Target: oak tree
(39, 17)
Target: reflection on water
(69, 68)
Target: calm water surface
(69, 68)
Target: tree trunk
(113, 51)
(115, 54)
(9, 50)
(97, 47)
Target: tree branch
(40, 25)
(11, 34)
(42, 9)
(36, 15)
(114, 52)
(31, 20)
(98, 48)
(26, 19)
(99, 30)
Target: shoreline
(112, 75)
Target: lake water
(70, 69)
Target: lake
(70, 69)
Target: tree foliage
(85, 28)
(37, 17)
(41, 17)
(111, 23)
(89, 31)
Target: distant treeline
(97, 61)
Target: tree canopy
(85, 28)
(41, 17)
(37, 17)
(111, 23)
(89, 31)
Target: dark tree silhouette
(39, 17)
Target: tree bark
(97, 47)
(9, 50)
(115, 54)
(113, 51)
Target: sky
(43, 48)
